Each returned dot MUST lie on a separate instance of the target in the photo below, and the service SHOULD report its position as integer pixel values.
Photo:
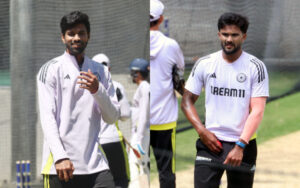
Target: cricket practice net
(30, 36)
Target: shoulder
(257, 67)
(118, 85)
(52, 63)
(172, 43)
(145, 86)
(205, 61)
(254, 62)
(48, 68)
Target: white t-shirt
(71, 116)
(228, 89)
(164, 54)
(109, 132)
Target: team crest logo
(241, 77)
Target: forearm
(191, 114)
(109, 107)
(53, 140)
(251, 125)
(47, 110)
(142, 130)
(125, 111)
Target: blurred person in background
(165, 55)
(139, 166)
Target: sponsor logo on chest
(228, 91)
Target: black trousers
(208, 175)
(118, 163)
(162, 145)
(101, 179)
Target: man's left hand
(235, 156)
(89, 81)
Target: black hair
(153, 23)
(230, 18)
(144, 74)
(72, 19)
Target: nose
(229, 38)
(76, 37)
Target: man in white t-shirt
(111, 138)
(165, 53)
(236, 89)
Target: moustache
(229, 43)
(77, 42)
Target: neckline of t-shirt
(232, 63)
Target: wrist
(240, 144)
(244, 141)
(201, 130)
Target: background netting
(30, 36)
(273, 36)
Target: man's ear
(244, 36)
(219, 35)
(63, 38)
(161, 19)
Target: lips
(76, 45)
(229, 45)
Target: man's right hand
(64, 169)
(188, 108)
(211, 141)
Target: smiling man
(236, 89)
(74, 92)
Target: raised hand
(89, 81)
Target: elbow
(111, 117)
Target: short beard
(76, 51)
(230, 52)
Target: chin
(229, 52)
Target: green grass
(282, 81)
(281, 117)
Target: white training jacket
(164, 54)
(140, 113)
(71, 116)
(109, 132)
